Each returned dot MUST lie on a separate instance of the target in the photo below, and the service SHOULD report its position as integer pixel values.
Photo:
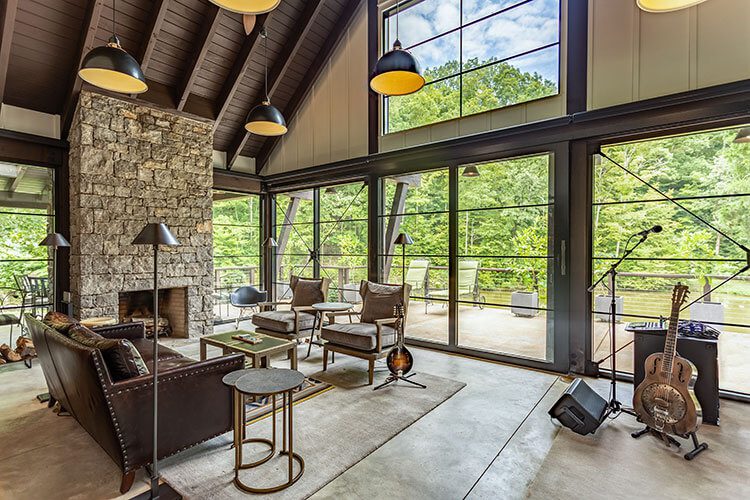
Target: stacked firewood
(24, 350)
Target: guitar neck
(670, 342)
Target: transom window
(476, 55)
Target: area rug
(611, 464)
(332, 432)
(261, 407)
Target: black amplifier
(702, 352)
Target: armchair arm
(131, 331)
(300, 309)
(333, 315)
(267, 306)
(194, 406)
(379, 323)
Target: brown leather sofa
(194, 405)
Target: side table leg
(203, 351)
(291, 437)
(283, 422)
(294, 356)
(238, 432)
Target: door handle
(563, 259)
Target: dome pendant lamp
(264, 119)
(666, 5)
(247, 6)
(111, 68)
(397, 72)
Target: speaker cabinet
(580, 408)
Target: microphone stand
(614, 405)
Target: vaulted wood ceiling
(196, 57)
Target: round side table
(322, 308)
(265, 382)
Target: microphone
(656, 229)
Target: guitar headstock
(680, 294)
(398, 310)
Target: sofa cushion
(282, 321)
(306, 292)
(146, 349)
(59, 321)
(122, 358)
(362, 336)
(379, 300)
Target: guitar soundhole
(664, 402)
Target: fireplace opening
(138, 305)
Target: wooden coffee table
(260, 354)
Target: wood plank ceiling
(196, 57)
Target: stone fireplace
(131, 164)
(138, 305)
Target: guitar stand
(697, 446)
(393, 377)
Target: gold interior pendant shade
(666, 5)
(247, 6)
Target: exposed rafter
(238, 69)
(19, 177)
(210, 24)
(278, 70)
(307, 82)
(9, 18)
(88, 35)
(155, 21)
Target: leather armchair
(374, 334)
(194, 405)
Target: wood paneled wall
(635, 55)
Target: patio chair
(372, 337)
(246, 297)
(35, 290)
(8, 318)
(300, 319)
(468, 284)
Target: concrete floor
(487, 441)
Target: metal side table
(265, 382)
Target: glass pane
(516, 31)
(420, 192)
(26, 217)
(345, 272)
(436, 102)
(422, 20)
(493, 281)
(528, 177)
(476, 9)
(505, 232)
(429, 232)
(345, 201)
(524, 332)
(439, 58)
(517, 80)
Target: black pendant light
(743, 136)
(470, 171)
(247, 6)
(397, 72)
(264, 119)
(111, 68)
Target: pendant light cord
(265, 62)
(114, 16)
(398, 6)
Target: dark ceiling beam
(279, 69)
(210, 24)
(238, 69)
(9, 19)
(316, 68)
(158, 12)
(88, 35)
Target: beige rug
(332, 432)
(611, 464)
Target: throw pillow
(379, 300)
(306, 292)
(59, 321)
(122, 358)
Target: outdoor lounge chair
(417, 276)
(468, 284)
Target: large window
(237, 252)
(476, 55)
(322, 232)
(26, 216)
(708, 172)
(505, 257)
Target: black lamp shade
(264, 119)
(743, 136)
(403, 239)
(397, 73)
(270, 243)
(470, 171)
(111, 68)
(54, 240)
(156, 234)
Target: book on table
(249, 338)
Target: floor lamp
(156, 234)
(54, 241)
(270, 258)
(403, 239)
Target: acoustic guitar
(399, 360)
(665, 400)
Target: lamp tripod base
(393, 378)
(165, 492)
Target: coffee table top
(332, 306)
(264, 381)
(225, 340)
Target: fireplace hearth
(173, 318)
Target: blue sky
(518, 30)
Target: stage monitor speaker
(580, 408)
